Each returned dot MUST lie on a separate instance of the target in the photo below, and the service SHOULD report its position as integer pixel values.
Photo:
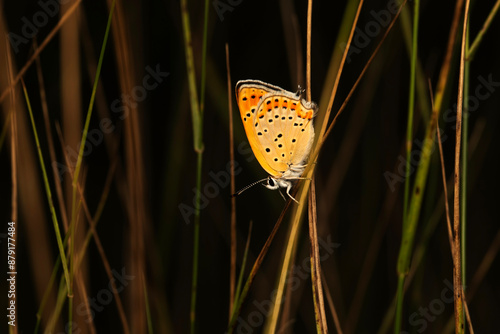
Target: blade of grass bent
(477, 41)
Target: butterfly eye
(271, 182)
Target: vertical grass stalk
(457, 258)
(79, 163)
(463, 181)
(197, 119)
(409, 135)
(411, 107)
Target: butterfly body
(279, 128)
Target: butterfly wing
(278, 125)
(285, 131)
(248, 95)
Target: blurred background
(138, 177)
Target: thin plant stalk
(244, 292)
(243, 266)
(465, 140)
(14, 147)
(415, 203)
(316, 277)
(39, 50)
(50, 140)
(361, 75)
(203, 57)
(60, 245)
(274, 312)
(197, 119)
(79, 162)
(148, 310)
(411, 105)
(473, 48)
(457, 258)
(409, 136)
(308, 50)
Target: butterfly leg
(279, 190)
(288, 192)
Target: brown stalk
(457, 261)
(445, 190)
(42, 46)
(308, 50)
(351, 92)
(316, 276)
(71, 115)
(261, 256)
(135, 177)
(13, 156)
(293, 42)
(27, 196)
(333, 310)
(322, 134)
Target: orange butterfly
(279, 128)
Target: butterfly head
(272, 183)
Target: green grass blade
(92, 97)
(193, 93)
(411, 107)
(148, 310)
(472, 50)
(204, 61)
(237, 293)
(415, 203)
(80, 157)
(197, 119)
(49, 193)
(409, 138)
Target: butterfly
(279, 128)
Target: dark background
(355, 203)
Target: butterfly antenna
(249, 186)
